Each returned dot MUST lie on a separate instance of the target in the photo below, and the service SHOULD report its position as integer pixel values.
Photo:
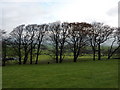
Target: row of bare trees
(27, 40)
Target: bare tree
(92, 39)
(58, 33)
(27, 42)
(16, 37)
(41, 29)
(54, 33)
(62, 39)
(101, 34)
(1, 47)
(3, 41)
(115, 43)
(31, 32)
(78, 37)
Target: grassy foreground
(91, 74)
(0, 77)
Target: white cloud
(35, 1)
(113, 11)
(16, 12)
(89, 10)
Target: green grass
(0, 77)
(93, 74)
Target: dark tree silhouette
(3, 42)
(26, 42)
(102, 33)
(16, 38)
(54, 33)
(62, 39)
(92, 39)
(41, 29)
(78, 37)
(58, 33)
(31, 32)
(116, 37)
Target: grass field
(0, 77)
(90, 74)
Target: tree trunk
(31, 52)
(61, 53)
(112, 52)
(20, 60)
(75, 59)
(3, 62)
(25, 57)
(109, 53)
(75, 56)
(56, 47)
(56, 52)
(38, 49)
(109, 56)
(36, 62)
(60, 57)
(3, 53)
(93, 54)
(99, 52)
(19, 54)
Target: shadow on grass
(67, 59)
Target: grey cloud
(15, 15)
(23, 0)
(16, 12)
(35, 1)
(113, 11)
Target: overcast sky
(17, 12)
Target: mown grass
(92, 74)
(0, 77)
